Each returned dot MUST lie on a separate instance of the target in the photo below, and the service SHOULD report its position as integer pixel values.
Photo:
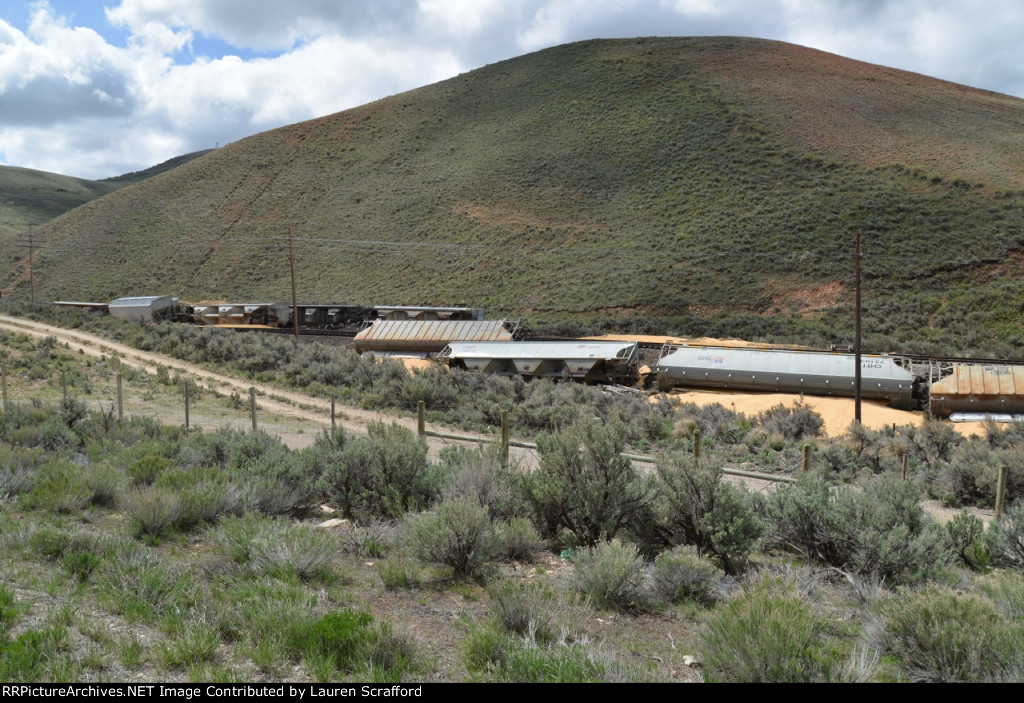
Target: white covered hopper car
(587, 361)
(789, 371)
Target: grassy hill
(694, 186)
(31, 198)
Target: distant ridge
(136, 176)
(705, 185)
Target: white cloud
(268, 25)
(461, 18)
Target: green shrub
(938, 635)
(398, 572)
(967, 535)
(398, 480)
(767, 636)
(52, 543)
(235, 536)
(146, 470)
(681, 574)
(392, 655)
(793, 423)
(15, 480)
(458, 533)
(103, 482)
(483, 475)
(202, 492)
(80, 565)
(9, 610)
(717, 423)
(194, 642)
(518, 539)
(152, 510)
(266, 610)
(301, 551)
(342, 637)
(72, 411)
(139, 586)
(267, 495)
(528, 610)
(34, 656)
(611, 574)
(1007, 537)
(1005, 589)
(693, 505)
(495, 656)
(348, 641)
(584, 485)
(384, 474)
(277, 547)
(880, 530)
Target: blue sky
(95, 88)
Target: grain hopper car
(398, 337)
(587, 361)
(790, 371)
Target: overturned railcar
(144, 308)
(979, 389)
(789, 371)
(590, 362)
(430, 336)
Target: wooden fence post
(186, 403)
(252, 405)
(421, 418)
(3, 376)
(120, 397)
(504, 437)
(64, 385)
(805, 458)
(332, 412)
(1001, 491)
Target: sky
(97, 88)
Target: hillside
(33, 197)
(30, 197)
(689, 186)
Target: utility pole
(31, 273)
(856, 330)
(295, 305)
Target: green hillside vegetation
(691, 186)
(29, 198)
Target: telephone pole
(31, 273)
(295, 305)
(856, 330)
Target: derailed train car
(430, 336)
(322, 316)
(790, 371)
(587, 361)
(979, 389)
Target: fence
(504, 442)
(187, 397)
(504, 439)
